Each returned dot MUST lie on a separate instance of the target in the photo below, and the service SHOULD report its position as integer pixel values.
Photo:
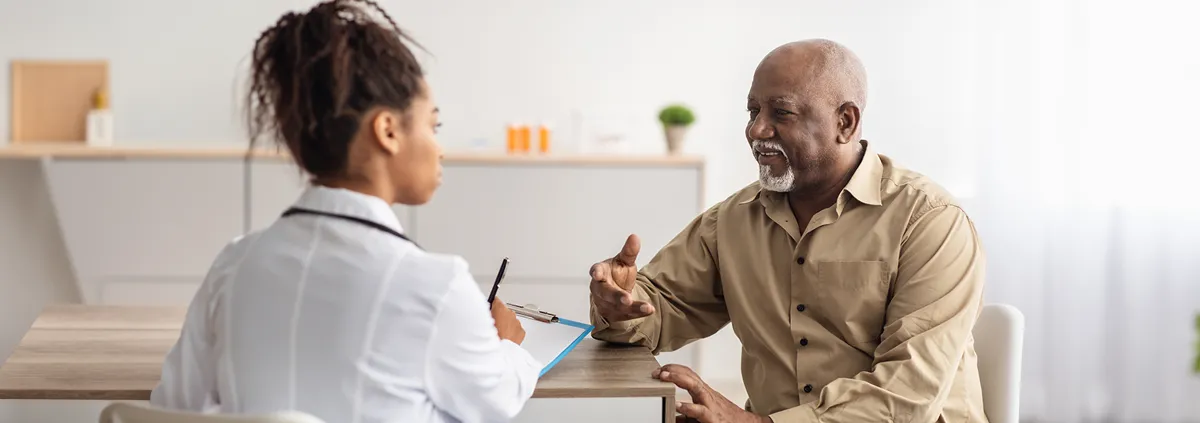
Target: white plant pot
(675, 138)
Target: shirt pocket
(854, 294)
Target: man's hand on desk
(612, 285)
(708, 406)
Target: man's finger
(685, 419)
(639, 309)
(620, 313)
(632, 311)
(678, 368)
(629, 252)
(686, 381)
(611, 293)
(604, 286)
(601, 271)
(695, 411)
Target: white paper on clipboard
(549, 342)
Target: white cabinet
(143, 219)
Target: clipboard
(548, 338)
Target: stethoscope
(358, 220)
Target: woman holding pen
(332, 310)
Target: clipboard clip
(531, 311)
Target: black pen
(496, 285)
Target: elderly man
(853, 283)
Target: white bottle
(100, 122)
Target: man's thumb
(629, 253)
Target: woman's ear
(386, 126)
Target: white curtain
(1089, 200)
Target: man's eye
(753, 112)
(781, 112)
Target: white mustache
(761, 146)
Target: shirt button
(807, 388)
(803, 342)
(800, 307)
(800, 260)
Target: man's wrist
(602, 322)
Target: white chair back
(120, 412)
(999, 337)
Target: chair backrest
(999, 337)
(120, 412)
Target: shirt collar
(864, 184)
(350, 203)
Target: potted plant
(675, 119)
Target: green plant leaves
(676, 114)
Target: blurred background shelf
(38, 150)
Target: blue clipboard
(549, 338)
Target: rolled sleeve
(938, 296)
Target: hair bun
(316, 74)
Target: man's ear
(386, 127)
(849, 120)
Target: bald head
(805, 107)
(823, 67)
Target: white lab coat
(346, 322)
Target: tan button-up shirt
(865, 315)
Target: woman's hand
(507, 325)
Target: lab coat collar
(349, 203)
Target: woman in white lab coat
(332, 310)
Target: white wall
(176, 66)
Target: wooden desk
(115, 353)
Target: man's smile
(769, 153)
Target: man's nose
(761, 129)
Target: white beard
(777, 183)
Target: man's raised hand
(613, 282)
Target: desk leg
(668, 407)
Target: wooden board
(51, 99)
(116, 353)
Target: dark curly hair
(316, 74)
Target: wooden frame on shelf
(51, 99)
